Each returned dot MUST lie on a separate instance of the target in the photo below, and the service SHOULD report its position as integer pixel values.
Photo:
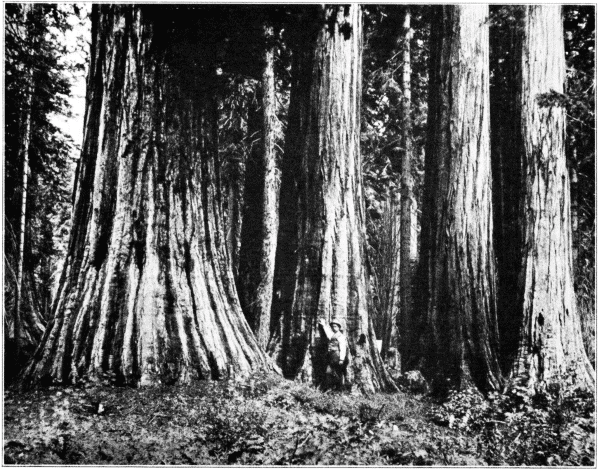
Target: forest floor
(270, 421)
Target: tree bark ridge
(459, 328)
(550, 346)
(319, 263)
(147, 291)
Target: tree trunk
(506, 168)
(574, 208)
(235, 200)
(24, 154)
(406, 185)
(147, 290)
(261, 212)
(550, 347)
(385, 273)
(398, 222)
(25, 137)
(459, 339)
(31, 321)
(320, 262)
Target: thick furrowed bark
(459, 331)
(320, 261)
(551, 346)
(147, 292)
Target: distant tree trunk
(233, 166)
(406, 188)
(24, 154)
(574, 208)
(550, 346)
(459, 339)
(398, 260)
(147, 290)
(261, 211)
(385, 273)
(235, 201)
(25, 137)
(320, 263)
(31, 321)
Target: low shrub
(465, 410)
(232, 425)
(550, 427)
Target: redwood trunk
(506, 137)
(147, 291)
(320, 263)
(459, 339)
(550, 344)
(261, 212)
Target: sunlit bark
(147, 290)
(458, 341)
(550, 342)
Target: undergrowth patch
(550, 427)
(270, 421)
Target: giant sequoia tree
(147, 290)
(320, 261)
(550, 347)
(506, 168)
(458, 328)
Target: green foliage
(266, 420)
(382, 123)
(263, 420)
(580, 52)
(36, 66)
(464, 410)
(546, 429)
(239, 134)
(383, 251)
(552, 99)
(230, 425)
(517, 428)
(585, 287)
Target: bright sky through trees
(76, 42)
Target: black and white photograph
(299, 234)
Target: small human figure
(337, 353)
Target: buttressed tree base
(147, 292)
(320, 264)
